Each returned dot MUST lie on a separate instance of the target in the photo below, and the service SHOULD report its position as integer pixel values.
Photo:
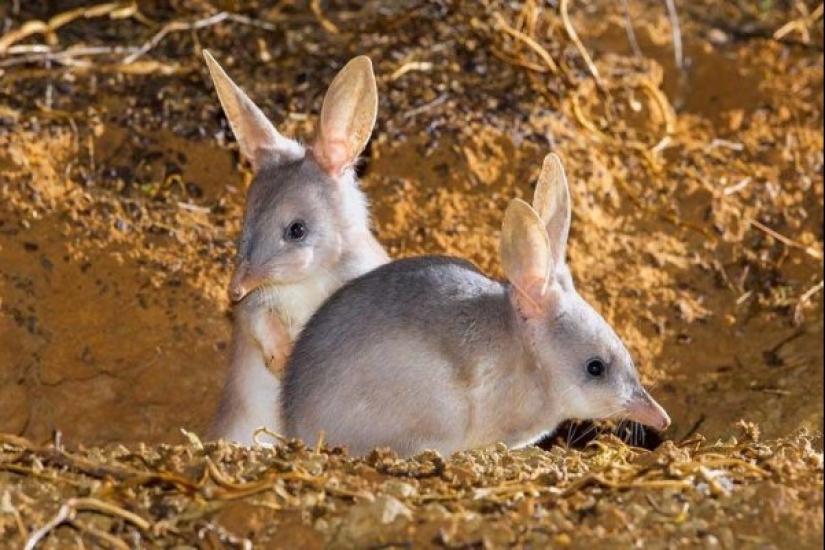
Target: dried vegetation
(727, 494)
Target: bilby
(306, 231)
(429, 353)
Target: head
(304, 203)
(588, 371)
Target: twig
(70, 509)
(427, 106)
(233, 491)
(115, 10)
(801, 24)
(678, 49)
(328, 25)
(195, 209)
(660, 510)
(220, 479)
(38, 52)
(596, 479)
(667, 112)
(120, 473)
(30, 53)
(319, 444)
(529, 42)
(688, 438)
(805, 300)
(574, 37)
(725, 144)
(21, 525)
(790, 243)
(423, 66)
(100, 507)
(743, 33)
(664, 106)
(813, 291)
(177, 26)
(49, 93)
(530, 66)
(631, 32)
(729, 462)
(17, 441)
(266, 431)
(735, 188)
(111, 540)
(66, 513)
(30, 472)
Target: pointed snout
(243, 282)
(644, 409)
(237, 292)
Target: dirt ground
(698, 232)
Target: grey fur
(339, 239)
(280, 280)
(428, 353)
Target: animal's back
(368, 347)
(409, 295)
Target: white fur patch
(296, 303)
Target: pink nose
(237, 293)
(242, 282)
(645, 410)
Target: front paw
(276, 363)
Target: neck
(515, 378)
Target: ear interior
(551, 202)
(347, 117)
(526, 258)
(256, 135)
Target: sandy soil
(121, 193)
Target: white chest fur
(295, 304)
(252, 396)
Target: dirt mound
(731, 494)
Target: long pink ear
(256, 136)
(347, 117)
(551, 202)
(526, 258)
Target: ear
(256, 136)
(526, 258)
(552, 203)
(347, 117)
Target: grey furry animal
(306, 232)
(429, 353)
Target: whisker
(567, 390)
(620, 428)
(590, 430)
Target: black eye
(296, 231)
(596, 368)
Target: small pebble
(718, 37)
(564, 540)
